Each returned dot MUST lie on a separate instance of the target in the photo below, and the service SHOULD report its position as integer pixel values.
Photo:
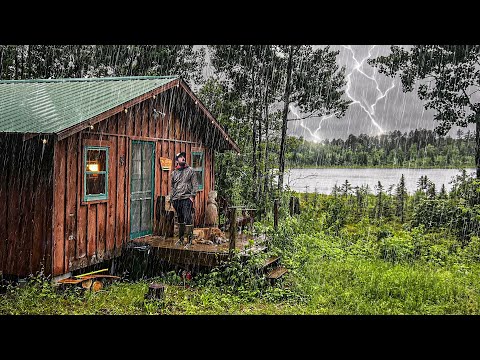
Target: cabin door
(142, 175)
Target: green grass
(365, 268)
(323, 287)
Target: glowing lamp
(93, 167)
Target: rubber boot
(181, 233)
(189, 232)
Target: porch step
(253, 250)
(271, 261)
(277, 273)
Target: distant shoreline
(382, 167)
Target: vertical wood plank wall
(26, 173)
(88, 233)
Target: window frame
(96, 197)
(199, 169)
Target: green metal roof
(53, 105)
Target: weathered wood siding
(25, 205)
(88, 233)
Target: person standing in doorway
(184, 190)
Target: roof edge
(209, 115)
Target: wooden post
(292, 205)
(275, 214)
(233, 228)
(160, 218)
(296, 206)
(170, 224)
(251, 218)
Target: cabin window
(198, 161)
(95, 173)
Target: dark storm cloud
(396, 111)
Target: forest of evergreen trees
(417, 148)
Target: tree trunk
(76, 62)
(2, 50)
(16, 62)
(29, 62)
(254, 133)
(261, 193)
(259, 157)
(49, 58)
(265, 165)
(286, 100)
(477, 145)
(23, 64)
(130, 59)
(275, 214)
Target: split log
(97, 285)
(87, 284)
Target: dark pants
(183, 207)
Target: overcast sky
(393, 110)
(379, 104)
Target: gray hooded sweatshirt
(184, 183)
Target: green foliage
(70, 61)
(397, 249)
(335, 215)
(471, 252)
(239, 276)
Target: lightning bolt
(312, 134)
(371, 107)
(358, 67)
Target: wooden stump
(155, 291)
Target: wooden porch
(199, 254)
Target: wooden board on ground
(92, 282)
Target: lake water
(323, 180)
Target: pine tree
(401, 195)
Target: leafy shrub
(397, 249)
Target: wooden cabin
(85, 164)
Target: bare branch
(468, 98)
(474, 92)
(306, 117)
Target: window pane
(146, 215)
(197, 160)
(135, 216)
(199, 178)
(95, 184)
(136, 176)
(147, 168)
(96, 160)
